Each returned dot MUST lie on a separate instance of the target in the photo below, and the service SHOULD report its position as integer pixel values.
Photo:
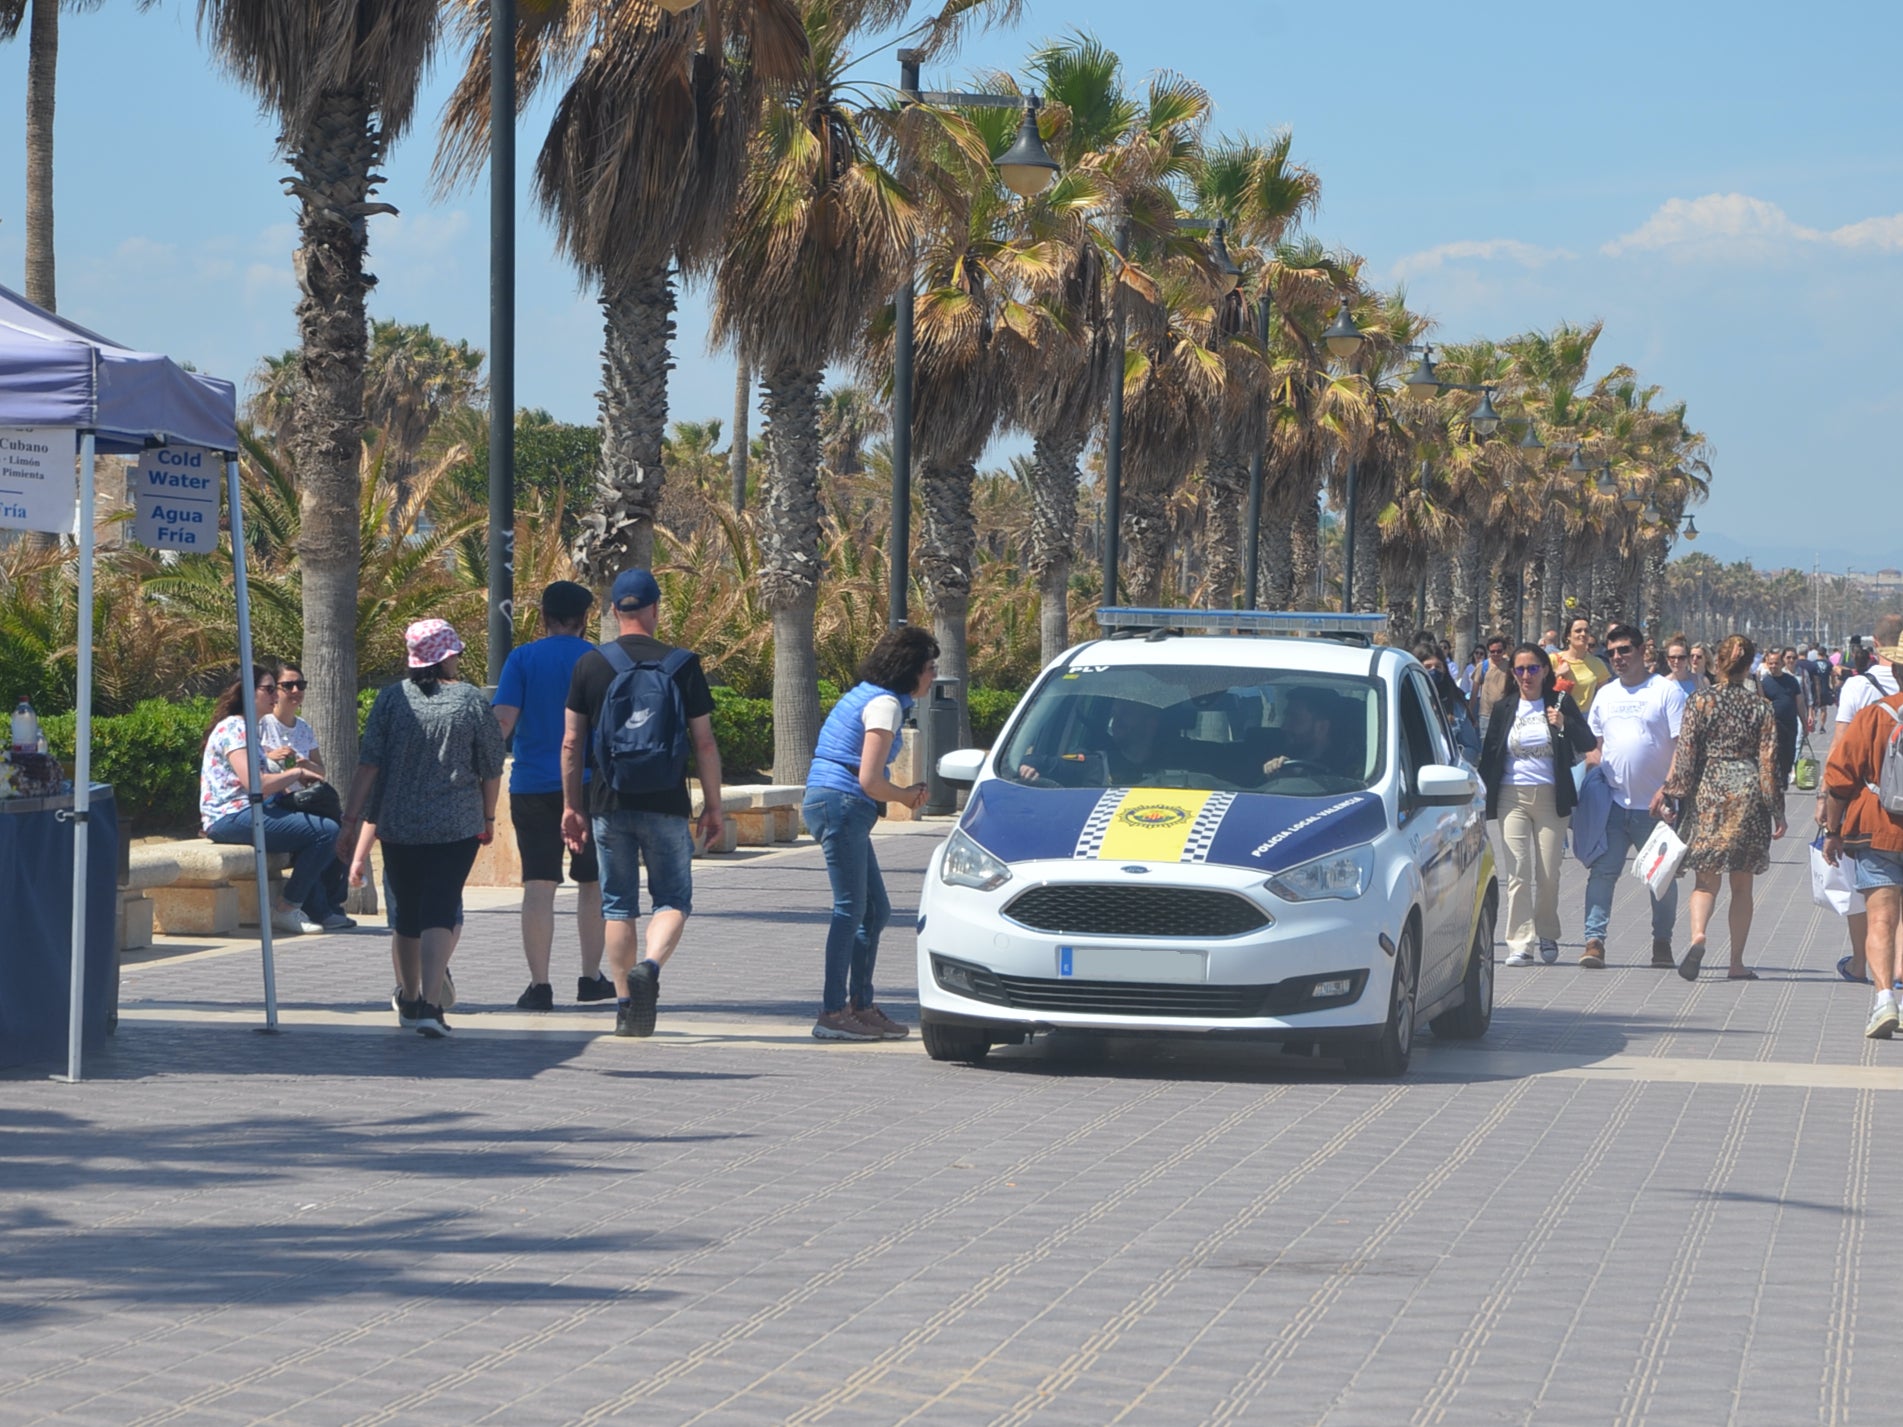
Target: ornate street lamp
(1423, 383)
(1531, 441)
(1690, 532)
(1026, 167)
(1606, 485)
(1484, 419)
(1342, 338)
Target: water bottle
(26, 728)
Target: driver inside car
(1136, 748)
(1308, 732)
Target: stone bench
(191, 888)
(759, 814)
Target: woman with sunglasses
(289, 742)
(1533, 739)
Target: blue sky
(1720, 184)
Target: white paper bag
(1658, 861)
(1833, 888)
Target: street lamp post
(501, 333)
(1343, 339)
(1252, 551)
(1027, 169)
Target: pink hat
(431, 641)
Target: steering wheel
(1306, 766)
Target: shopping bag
(1831, 887)
(1659, 860)
(1807, 768)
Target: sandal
(1694, 958)
(1843, 970)
(1741, 976)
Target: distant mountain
(1835, 559)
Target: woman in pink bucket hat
(428, 775)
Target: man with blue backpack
(635, 708)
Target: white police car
(1215, 821)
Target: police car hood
(1257, 831)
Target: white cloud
(1737, 225)
(1489, 250)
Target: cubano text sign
(39, 484)
(174, 492)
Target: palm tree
(41, 18)
(639, 174)
(412, 378)
(341, 81)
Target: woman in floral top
(224, 809)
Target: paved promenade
(1637, 1201)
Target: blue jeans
(311, 841)
(1626, 829)
(842, 822)
(625, 841)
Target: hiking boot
(842, 1026)
(1882, 1023)
(1594, 956)
(594, 988)
(429, 1020)
(1662, 952)
(876, 1020)
(539, 997)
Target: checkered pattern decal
(1098, 823)
(1203, 832)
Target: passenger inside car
(1314, 735)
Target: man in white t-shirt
(1877, 682)
(1636, 718)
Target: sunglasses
(1523, 670)
(1616, 651)
(293, 686)
(1677, 658)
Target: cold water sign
(175, 498)
(39, 484)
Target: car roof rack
(1357, 629)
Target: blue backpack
(640, 736)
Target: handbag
(320, 800)
(1658, 861)
(1831, 887)
(1806, 769)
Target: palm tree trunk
(1367, 591)
(1553, 580)
(948, 536)
(1655, 582)
(788, 525)
(1469, 571)
(742, 409)
(42, 66)
(1275, 555)
(1054, 457)
(1225, 487)
(1305, 546)
(636, 354)
(1146, 540)
(1440, 595)
(335, 159)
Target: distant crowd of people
(603, 738)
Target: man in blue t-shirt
(529, 702)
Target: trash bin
(938, 730)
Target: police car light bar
(1271, 623)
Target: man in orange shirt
(1856, 823)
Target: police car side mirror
(963, 765)
(1439, 785)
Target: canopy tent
(55, 373)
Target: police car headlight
(967, 864)
(1340, 875)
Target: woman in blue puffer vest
(850, 777)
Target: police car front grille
(1136, 998)
(1098, 909)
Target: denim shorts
(1876, 870)
(624, 841)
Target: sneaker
(1520, 958)
(874, 1019)
(842, 1026)
(1662, 953)
(1549, 950)
(539, 997)
(449, 993)
(405, 1009)
(1594, 956)
(338, 922)
(429, 1020)
(594, 988)
(289, 923)
(636, 1018)
(1882, 1023)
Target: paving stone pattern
(1636, 1202)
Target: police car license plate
(1132, 963)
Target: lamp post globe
(675, 7)
(1484, 419)
(1577, 466)
(1690, 531)
(1027, 167)
(1652, 515)
(1605, 485)
(1422, 383)
(1342, 338)
(1632, 500)
(1531, 441)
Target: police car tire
(965, 1044)
(1469, 1020)
(1388, 1056)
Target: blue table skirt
(36, 925)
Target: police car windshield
(1284, 731)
